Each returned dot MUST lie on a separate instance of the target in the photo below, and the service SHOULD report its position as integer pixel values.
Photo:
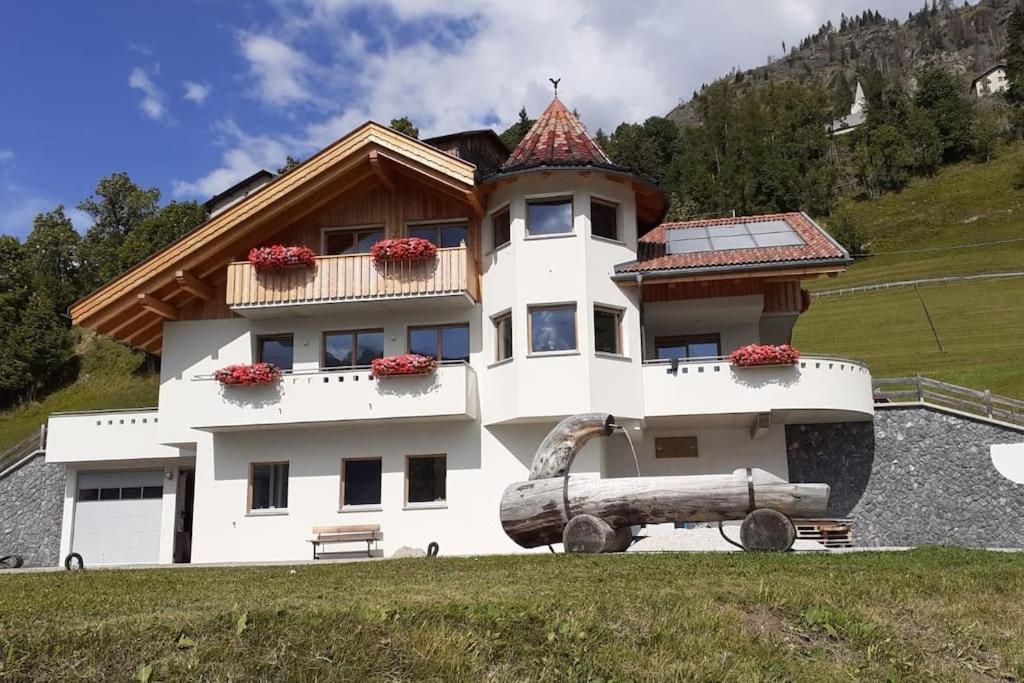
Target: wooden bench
(324, 535)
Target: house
(991, 81)
(556, 289)
(856, 117)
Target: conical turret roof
(556, 139)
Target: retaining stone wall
(31, 508)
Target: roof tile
(557, 138)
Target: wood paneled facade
(780, 296)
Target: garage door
(117, 517)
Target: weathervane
(555, 82)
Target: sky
(191, 96)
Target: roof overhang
(786, 269)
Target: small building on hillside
(991, 81)
(856, 118)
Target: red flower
(279, 256)
(247, 375)
(403, 249)
(764, 354)
(405, 364)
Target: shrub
(764, 354)
(405, 364)
(278, 256)
(248, 374)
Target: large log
(533, 513)
(560, 446)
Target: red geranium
(248, 374)
(405, 364)
(764, 354)
(279, 256)
(403, 249)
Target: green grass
(110, 376)
(980, 325)
(932, 613)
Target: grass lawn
(980, 324)
(933, 613)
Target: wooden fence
(925, 390)
(21, 450)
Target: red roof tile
(652, 254)
(557, 138)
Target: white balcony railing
(105, 435)
(335, 396)
(815, 385)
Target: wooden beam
(378, 170)
(161, 308)
(643, 190)
(193, 285)
(785, 274)
(475, 201)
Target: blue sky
(190, 96)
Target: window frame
(687, 339)
(685, 444)
(506, 209)
(618, 219)
(496, 321)
(249, 510)
(575, 328)
(412, 328)
(366, 507)
(438, 223)
(549, 200)
(443, 503)
(352, 333)
(620, 314)
(372, 227)
(260, 338)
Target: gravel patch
(701, 539)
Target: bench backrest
(350, 529)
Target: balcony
(105, 435)
(335, 397)
(450, 278)
(816, 389)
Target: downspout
(640, 308)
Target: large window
(268, 486)
(604, 219)
(503, 336)
(443, 342)
(425, 479)
(442, 234)
(352, 349)
(688, 346)
(552, 328)
(607, 330)
(549, 216)
(275, 349)
(351, 241)
(501, 227)
(360, 482)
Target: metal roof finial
(555, 82)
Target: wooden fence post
(920, 390)
(988, 402)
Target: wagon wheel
(767, 529)
(11, 561)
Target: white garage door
(117, 517)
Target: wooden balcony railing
(355, 277)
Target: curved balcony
(816, 389)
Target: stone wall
(31, 508)
(918, 475)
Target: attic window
(776, 233)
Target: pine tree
(405, 126)
(1014, 54)
(51, 252)
(41, 343)
(518, 130)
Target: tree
(51, 252)
(291, 162)
(157, 231)
(648, 148)
(42, 343)
(518, 130)
(117, 207)
(1013, 55)
(942, 95)
(882, 160)
(845, 230)
(405, 126)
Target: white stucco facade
(485, 415)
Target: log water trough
(596, 515)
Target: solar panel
(771, 233)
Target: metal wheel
(11, 561)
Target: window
(360, 482)
(503, 336)
(443, 342)
(276, 350)
(675, 447)
(425, 478)
(122, 493)
(549, 216)
(501, 227)
(268, 486)
(604, 219)
(607, 330)
(443, 235)
(688, 346)
(352, 349)
(351, 241)
(552, 328)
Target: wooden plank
(164, 310)
(902, 393)
(956, 389)
(894, 380)
(343, 528)
(193, 285)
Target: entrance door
(183, 516)
(117, 517)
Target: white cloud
(280, 71)
(6, 154)
(196, 92)
(244, 155)
(154, 100)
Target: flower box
(755, 355)
(403, 249)
(405, 364)
(277, 256)
(248, 374)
